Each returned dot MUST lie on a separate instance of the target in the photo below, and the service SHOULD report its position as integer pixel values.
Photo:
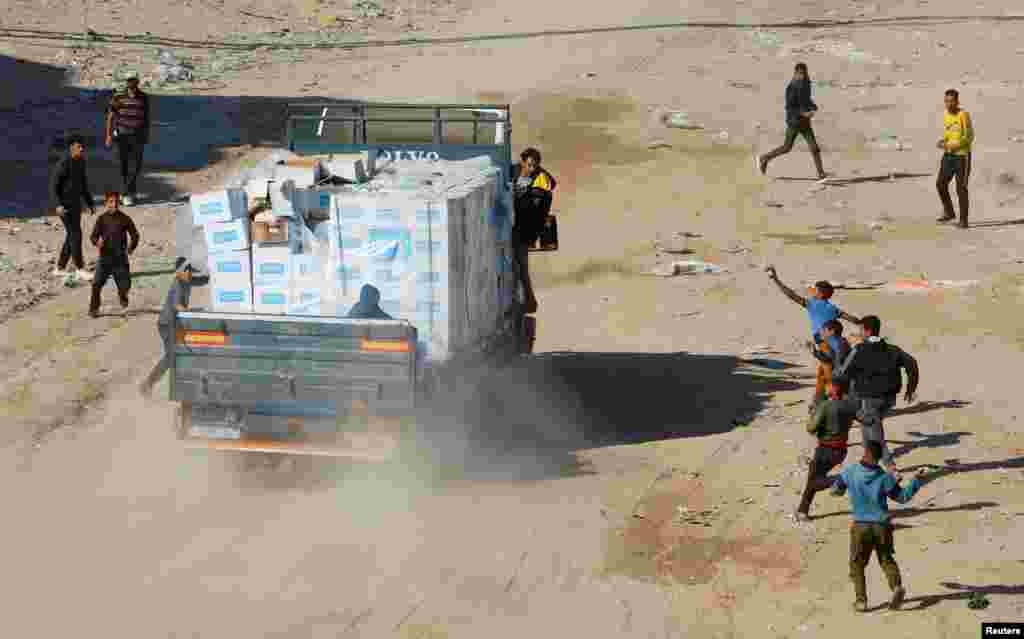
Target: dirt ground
(638, 475)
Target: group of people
(856, 383)
(114, 235)
(956, 143)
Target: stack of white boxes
(224, 217)
(438, 253)
(433, 239)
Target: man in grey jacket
(873, 367)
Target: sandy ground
(675, 393)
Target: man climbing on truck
(533, 192)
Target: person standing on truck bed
(70, 188)
(111, 236)
(177, 300)
(533, 190)
(368, 306)
(128, 122)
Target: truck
(333, 386)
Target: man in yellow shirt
(957, 137)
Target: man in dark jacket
(800, 108)
(533, 190)
(830, 423)
(870, 490)
(111, 236)
(128, 122)
(368, 306)
(873, 367)
(70, 188)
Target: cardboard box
(231, 295)
(236, 264)
(276, 232)
(218, 206)
(222, 237)
(272, 300)
(272, 266)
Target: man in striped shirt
(128, 122)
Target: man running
(873, 367)
(800, 108)
(957, 138)
(830, 423)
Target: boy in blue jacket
(870, 490)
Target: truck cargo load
(267, 359)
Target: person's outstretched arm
(788, 292)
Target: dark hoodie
(798, 100)
(70, 183)
(368, 306)
(873, 368)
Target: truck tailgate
(291, 384)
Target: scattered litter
(171, 69)
(723, 136)
(688, 234)
(696, 266)
(889, 142)
(747, 500)
(742, 85)
(833, 237)
(978, 601)
(368, 9)
(876, 226)
(659, 144)
(1017, 138)
(697, 518)
(71, 280)
(679, 120)
(688, 267)
(690, 314)
(772, 484)
(926, 285)
(794, 402)
(735, 249)
(772, 204)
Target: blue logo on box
(233, 266)
(211, 208)
(273, 268)
(223, 237)
(351, 213)
(273, 298)
(229, 297)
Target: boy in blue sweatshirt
(820, 310)
(870, 490)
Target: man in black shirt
(874, 367)
(178, 297)
(111, 236)
(70, 189)
(800, 108)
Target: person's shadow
(963, 593)
(924, 440)
(924, 407)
